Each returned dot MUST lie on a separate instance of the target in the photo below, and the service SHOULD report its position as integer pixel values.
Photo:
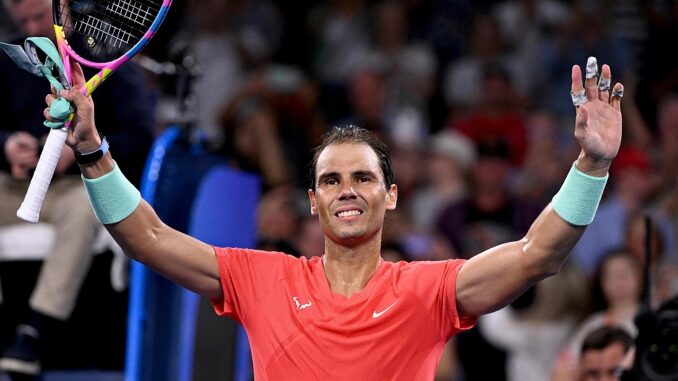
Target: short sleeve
(247, 276)
(448, 296)
(435, 283)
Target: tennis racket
(101, 34)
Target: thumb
(74, 96)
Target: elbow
(143, 245)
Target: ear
(392, 197)
(314, 205)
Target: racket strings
(100, 30)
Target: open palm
(598, 126)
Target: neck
(348, 269)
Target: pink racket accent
(30, 208)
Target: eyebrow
(365, 173)
(354, 174)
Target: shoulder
(260, 259)
(424, 271)
(255, 255)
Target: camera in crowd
(656, 345)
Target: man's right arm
(145, 238)
(141, 234)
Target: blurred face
(34, 17)
(367, 95)
(350, 198)
(311, 241)
(620, 280)
(602, 365)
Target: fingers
(617, 94)
(577, 90)
(49, 98)
(75, 96)
(595, 87)
(591, 83)
(604, 84)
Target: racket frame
(35, 195)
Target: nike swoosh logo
(376, 314)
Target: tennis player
(349, 315)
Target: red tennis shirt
(394, 329)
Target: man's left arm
(494, 278)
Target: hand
(598, 126)
(82, 135)
(21, 151)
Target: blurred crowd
(473, 100)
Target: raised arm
(492, 279)
(141, 234)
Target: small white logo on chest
(376, 314)
(301, 306)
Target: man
(66, 206)
(605, 354)
(349, 314)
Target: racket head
(99, 32)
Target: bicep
(175, 255)
(492, 279)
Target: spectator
(667, 124)
(490, 214)
(125, 119)
(605, 355)
(449, 158)
(226, 37)
(663, 267)
(497, 116)
(537, 178)
(533, 336)
(617, 285)
(583, 34)
(341, 28)
(463, 77)
(409, 68)
(524, 25)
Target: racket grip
(35, 195)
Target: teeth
(349, 213)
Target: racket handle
(30, 208)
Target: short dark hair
(603, 337)
(354, 134)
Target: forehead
(347, 157)
(603, 358)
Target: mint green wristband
(112, 196)
(577, 200)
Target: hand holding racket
(102, 34)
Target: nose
(347, 192)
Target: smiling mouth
(349, 213)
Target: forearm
(493, 279)
(551, 237)
(139, 232)
(547, 244)
(145, 238)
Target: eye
(330, 181)
(364, 179)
